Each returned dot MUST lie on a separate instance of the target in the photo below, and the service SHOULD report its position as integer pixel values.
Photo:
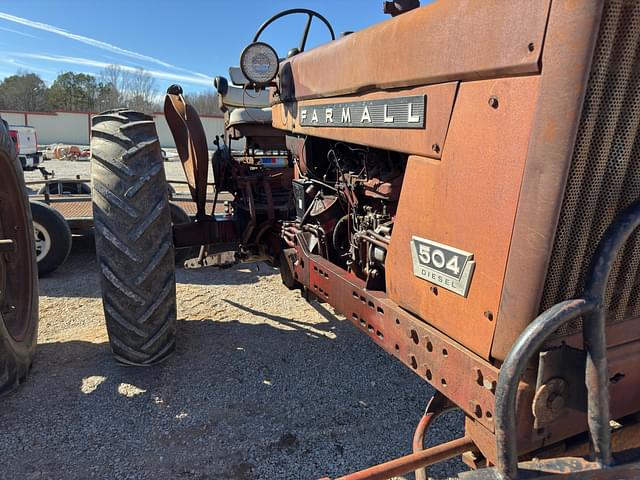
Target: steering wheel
(310, 14)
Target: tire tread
(134, 243)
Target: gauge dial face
(259, 63)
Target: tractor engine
(345, 199)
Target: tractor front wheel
(134, 242)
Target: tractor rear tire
(134, 242)
(18, 272)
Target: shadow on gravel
(240, 274)
(236, 401)
(78, 276)
(332, 321)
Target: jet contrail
(5, 29)
(27, 67)
(98, 64)
(94, 43)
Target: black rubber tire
(17, 351)
(179, 217)
(50, 222)
(134, 241)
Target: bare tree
(135, 89)
(141, 91)
(206, 103)
(114, 77)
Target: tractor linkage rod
(413, 461)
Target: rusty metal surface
(566, 59)
(618, 333)
(73, 208)
(220, 234)
(550, 401)
(191, 144)
(580, 469)
(527, 345)
(462, 376)
(625, 398)
(624, 376)
(426, 142)
(567, 468)
(468, 201)
(624, 438)
(191, 208)
(602, 179)
(411, 462)
(591, 307)
(441, 42)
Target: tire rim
(43, 241)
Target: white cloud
(164, 75)
(25, 66)
(11, 30)
(95, 43)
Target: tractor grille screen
(604, 175)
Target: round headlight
(259, 63)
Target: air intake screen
(604, 175)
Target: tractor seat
(260, 116)
(236, 96)
(237, 77)
(244, 106)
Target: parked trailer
(61, 208)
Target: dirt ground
(263, 385)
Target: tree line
(114, 87)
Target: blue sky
(186, 42)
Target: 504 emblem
(442, 265)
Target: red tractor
(459, 181)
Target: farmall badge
(442, 265)
(399, 112)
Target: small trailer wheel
(52, 235)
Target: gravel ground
(263, 385)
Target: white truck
(26, 140)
